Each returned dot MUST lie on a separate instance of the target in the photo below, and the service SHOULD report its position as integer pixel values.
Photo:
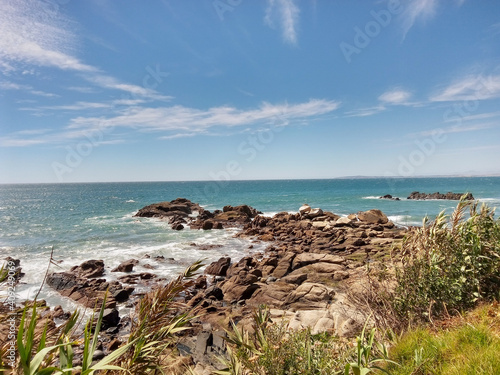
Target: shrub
(449, 264)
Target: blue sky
(238, 89)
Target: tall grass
(449, 264)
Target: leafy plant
(449, 264)
(366, 361)
(36, 358)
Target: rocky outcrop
(390, 197)
(178, 208)
(83, 283)
(182, 212)
(312, 261)
(450, 196)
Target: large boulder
(372, 217)
(304, 209)
(218, 268)
(240, 287)
(309, 296)
(126, 266)
(89, 269)
(180, 207)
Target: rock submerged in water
(390, 197)
(423, 196)
(182, 211)
(450, 196)
(180, 207)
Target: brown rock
(218, 268)
(372, 217)
(126, 266)
(273, 294)
(305, 259)
(310, 296)
(284, 266)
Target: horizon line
(354, 177)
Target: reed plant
(449, 264)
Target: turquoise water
(95, 221)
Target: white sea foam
(404, 220)
(130, 201)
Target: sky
(177, 90)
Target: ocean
(96, 220)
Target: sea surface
(96, 220)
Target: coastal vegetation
(431, 309)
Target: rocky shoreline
(314, 263)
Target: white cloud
(13, 142)
(111, 83)
(33, 33)
(364, 112)
(4, 85)
(460, 129)
(184, 121)
(192, 119)
(83, 89)
(395, 97)
(288, 14)
(78, 106)
(472, 87)
(417, 10)
(420, 10)
(179, 135)
(480, 116)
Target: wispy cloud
(395, 97)
(33, 33)
(192, 119)
(136, 91)
(472, 87)
(364, 112)
(420, 11)
(182, 121)
(417, 10)
(287, 13)
(78, 106)
(460, 129)
(15, 142)
(27, 88)
(179, 135)
(83, 89)
(480, 116)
